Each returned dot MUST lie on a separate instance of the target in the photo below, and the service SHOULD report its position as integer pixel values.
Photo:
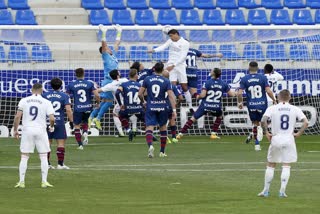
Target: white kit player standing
(273, 78)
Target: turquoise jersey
(110, 62)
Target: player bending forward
(157, 88)
(60, 101)
(282, 147)
(34, 111)
(211, 94)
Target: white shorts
(116, 110)
(178, 74)
(282, 149)
(32, 137)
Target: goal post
(30, 54)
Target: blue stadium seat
(122, 17)
(6, 17)
(221, 36)
(229, 52)
(280, 17)
(160, 56)
(190, 17)
(204, 4)
(311, 36)
(258, 17)
(114, 4)
(2, 55)
(199, 36)
(122, 54)
(139, 53)
(130, 36)
(167, 17)
(208, 49)
(253, 52)
(302, 17)
(144, 17)
(18, 53)
(159, 4)
(227, 4)
(249, 4)
(317, 17)
(182, 33)
(18, 4)
(33, 36)
(212, 17)
(244, 35)
(272, 4)
(313, 4)
(299, 52)
(97, 17)
(182, 4)
(235, 17)
(289, 35)
(25, 17)
(41, 53)
(152, 36)
(91, 4)
(276, 52)
(3, 4)
(137, 4)
(294, 3)
(266, 34)
(315, 52)
(11, 37)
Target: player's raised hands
(103, 28)
(118, 28)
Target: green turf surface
(199, 176)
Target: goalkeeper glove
(104, 32)
(119, 31)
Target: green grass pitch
(112, 175)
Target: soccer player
(60, 102)
(176, 65)
(34, 111)
(156, 107)
(82, 90)
(211, 94)
(282, 147)
(256, 87)
(273, 78)
(142, 72)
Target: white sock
(117, 122)
(268, 178)
(285, 175)
(187, 95)
(134, 120)
(23, 167)
(44, 166)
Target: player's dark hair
(56, 83)
(268, 68)
(136, 65)
(253, 64)
(158, 67)
(100, 49)
(133, 72)
(173, 31)
(217, 73)
(284, 95)
(114, 74)
(37, 86)
(79, 72)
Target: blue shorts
(80, 117)
(154, 118)
(202, 111)
(192, 78)
(256, 114)
(59, 133)
(127, 114)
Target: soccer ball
(166, 29)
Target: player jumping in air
(157, 88)
(282, 147)
(256, 87)
(211, 94)
(60, 102)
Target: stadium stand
(159, 4)
(33, 36)
(41, 53)
(2, 55)
(199, 36)
(152, 36)
(272, 4)
(91, 4)
(235, 17)
(3, 4)
(167, 17)
(130, 36)
(182, 4)
(302, 17)
(313, 4)
(258, 17)
(190, 17)
(280, 17)
(137, 4)
(97, 17)
(144, 17)
(227, 4)
(294, 3)
(212, 17)
(114, 4)
(253, 52)
(18, 53)
(299, 52)
(122, 17)
(204, 4)
(25, 17)
(249, 4)
(18, 4)
(5, 17)
(221, 36)
(276, 52)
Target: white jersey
(284, 117)
(273, 79)
(35, 110)
(178, 51)
(114, 85)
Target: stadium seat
(152, 36)
(139, 53)
(317, 16)
(227, 4)
(110, 37)
(18, 53)
(294, 3)
(11, 37)
(6, 17)
(91, 4)
(244, 35)
(190, 17)
(122, 17)
(160, 56)
(299, 52)
(249, 4)
(144, 17)
(3, 4)
(33, 36)
(221, 36)
(212, 17)
(25, 17)
(182, 33)
(204, 4)
(266, 34)
(41, 53)
(137, 4)
(315, 52)
(122, 54)
(167, 17)
(114, 4)
(313, 4)
(276, 52)
(159, 4)
(289, 35)
(18, 4)
(208, 49)
(311, 36)
(130, 36)
(97, 17)
(2, 55)
(253, 52)
(258, 17)
(280, 17)
(235, 17)
(272, 4)
(199, 36)
(229, 52)
(182, 4)
(302, 17)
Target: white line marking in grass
(313, 151)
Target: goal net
(30, 54)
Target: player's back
(144, 74)
(176, 49)
(130, 95)
(215, 89)
(191, 58)
(110, 62)
(273, 79)
(82, 92)
(106, 95)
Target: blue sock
(256, 142)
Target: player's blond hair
(284, 95)
(132, 73)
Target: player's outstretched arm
(104, 44)
(118, 37)
(161, 47)
(271, 95)
(16, 122)
(240, 98)
(301, 130)
(220, 55)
